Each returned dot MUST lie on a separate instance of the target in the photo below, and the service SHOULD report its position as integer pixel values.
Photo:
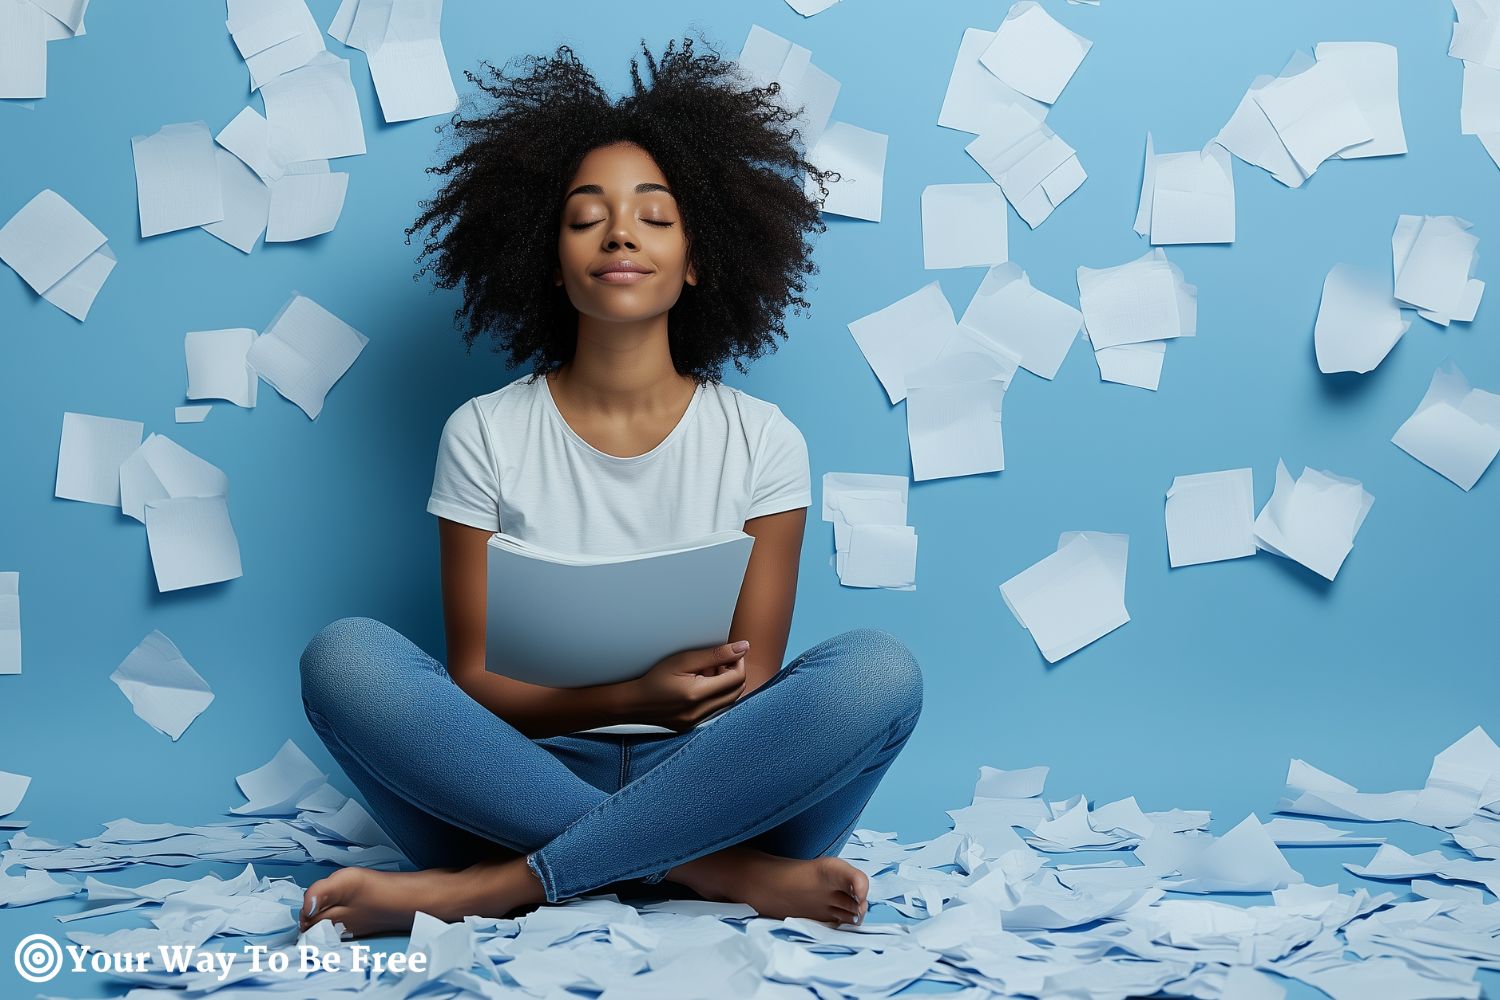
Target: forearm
(538, 711)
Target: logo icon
(38, 958)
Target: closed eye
(586, 225)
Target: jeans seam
(396, 791)
(813, 788)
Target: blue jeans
(787, 769)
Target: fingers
(725, 683)
(725, 655)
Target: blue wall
(1226, 671)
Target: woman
(628, 250)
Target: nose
(620, 236)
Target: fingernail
(314, 906)
(741, 646)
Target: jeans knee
(891, 671)
(329, 656)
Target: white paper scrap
(312, 112)
(161, 468)
(964, 225)
(1033, 53)
(1313, 520)
(10, 625)
(192, 542)
(191, 414)
(974, 92)
(1211, 517)
(1007, 310)
(1314, 113)
(1368, 71)
(1187, 197)
(1074, 596)
(1250, 135)
(1359, 321)
(1035, 168)
(1455, 430)
(806, 91)
(409, 67)
(163, 688)
(881, 555)
(248, 136)
(247, 203)
(46, 239)
(304, 351)
(12, 790)
(176, 178)
(278, 785)
(89, 457)
(74, 292)
(304, 205)
(904, 336)
(858, 156)
(1144, 299)
(1433, 258)
(23, 49)
(217, 365)
(953, 415)
(1132, 364)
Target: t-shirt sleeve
(464, 486)
(783, 478)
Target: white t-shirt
(508, 461)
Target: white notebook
(569, 620)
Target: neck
(622, 367)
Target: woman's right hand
(681, 690)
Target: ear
(692, 275)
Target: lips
(623, 272)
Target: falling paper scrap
(216, 365)
(160, 469)
(304, 351)
(1474, 42)
(10, 624)
(953, 409)
(192, 542)
(1211, 517)
(1075, 595)
(89, 457)
(868, 513)
(1131, 310)
(1187, 197)
(1007, 311)
(857, 155)
(57, 252)
(1035, 168)
(403, 42)
(305, 202)
(1312, 520)
(974, 92)
(1434, 257)
(312, 112)
(1313, 111)
(904, 336)
(191, 414)
(163, 688)
(1033, 53)
(176, 178)
(1455, 430)
(805, 90)
(12, 790)
(964, 225)
(247, 203)
(1359, 321)
(273, 36)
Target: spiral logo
(38, 958)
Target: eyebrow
(645, 187)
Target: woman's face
(618, 208)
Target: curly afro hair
(727, 148)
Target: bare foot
(829, 889)
(367, 901)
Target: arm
(536, 710)
(764, 612)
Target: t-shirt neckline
(672, 435)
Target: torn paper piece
(807, 8)
(247, 203)
(1359, 321)
(192, 542)
(974, 92)
(1144, 299)
(1479, 104)
(1211, 517)
(1075, 595)
(1031, 324)
(23, 50)
(273, 36)
(191, 414)
(1023, 783)
(1033, 53)
(89, 457)
(12, 790)
(1187, 197)
(304, 351)
(953, 415)
(176, 178)
(1035, 168)
(74, 292)
(1312, 520)
(1476, 33)
(409, 66)
(217, 365)
(1243, 860)
(881, 555)
(1391, 862)
(304, 205)
(805, 90)
(1132, 364)
(1368, 71)
(248, 136)
(964, 225)
(1311, 833)
(1314, 113)
(275, 788)
(312, 112)
(1250, 135)
(47, 239)
(161, 468)
(858, 156)
(868, 485)
(10, 624)
(904, 336)
(163, 688)
(1433, 258)
(1455, 430)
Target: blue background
(1224, 673)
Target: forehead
(619, 168)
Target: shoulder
(491, 411)
(760, 418)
